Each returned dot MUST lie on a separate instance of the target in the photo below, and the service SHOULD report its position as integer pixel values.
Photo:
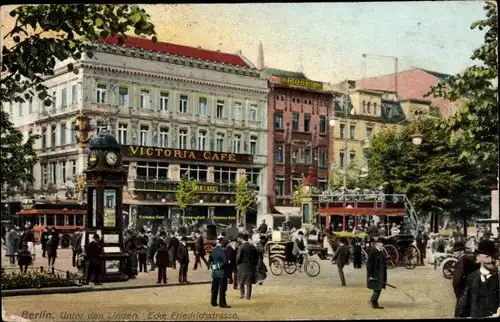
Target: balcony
(153, 184)
(303, 136)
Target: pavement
(420, 293)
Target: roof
(441, 76)
(180, 50)
(267, 72)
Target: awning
(332, 211)
(291, 211)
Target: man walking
(94, 250)
(162, 262)
(341, 258)
(43, 240)
(376, 269)
(152, 247)
(220, 270)
(232, 252)
(183, 257)
(76, 245)
(357, 251)
(29, 239)
(199, 251)
(173, 248)
(247, 267)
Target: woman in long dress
(261, 267)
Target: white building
(162, 96)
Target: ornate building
(176, 110)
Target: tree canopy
(186, 192)
(355, 178)
(244, 198)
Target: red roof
(191, 52)
(412, 84)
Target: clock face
(93, 158)
(111, 158)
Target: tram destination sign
(178, 154)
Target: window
(253, 113)
(253, 176)
(45, 174)
(53, 136)
(342, 160)
(375, 108)
(203, 106)
(123, 96)
(50, 220)
(352, 157)
(73, 133)
(202, 140)
(30, 106)
(220, 109)
(352, 132)
(253, 145)
(295, 184)
(64, 97)
(322, 158)
(183, 134)
(295, 121)
(220, 142)
(71, 220)
(63, 171)
(145, 98)
(280, 186)
(44, 138)
(364, 107)
(237, 111)
(53, 173)
(278, 121)
(307, 154)
(236, 143)
(20, 109)
(101, 94)
(279, 155)
(342, 131)
(122, 133)
(307, 123)
(322, 124)
(62, 134)
(74, 94)
(225, 175)
(54, 100)
(163, 101)
(73, 167)
(295, 156)
(369, 108)
(152, 170)
(144, 135)
(101, 127)
(163, 137)
(196, 172)
(183, 104)
(369, 131)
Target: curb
(83, 289)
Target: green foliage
(186, 192)
(44, 34)
(477, 118)
(17, 156)
(33, 279)
(354, 178)
(298, 194)
(244, 198)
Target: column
(240, 174)
(174, 172)
(174, 102)
(210, 174)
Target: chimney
(260, 57)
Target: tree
(244, 199)
(298, 194)
(355, 178)
(186, 194)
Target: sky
(326, 40)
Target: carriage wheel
(448, 268)
(392, 255)
(364, 256)
(312, 268)
(276, 267)
(412, 257)
(208, 248)
(290, 267)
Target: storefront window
(152, 170)
(253, 176)
(196, 172)
(225, 175)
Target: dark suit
(357, 252)
(479, 299)
(465, 266)
(76, 243)
(376, 267)
(219, 261)
(247, 260)
(232, 267)
(199, 252)
(341, 258)
(183, 258)
(173, 247)
(93, 252)
(55, 237)
(162, 263)
(43, 239)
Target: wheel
(364, 256)
(392, 256)
(208, 248)
(290, 267)
(448, 267)
(412, 257)
(312, 268)
(65, 241)
(276, 267)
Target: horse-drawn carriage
(281, 258)
(401, 251)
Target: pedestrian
(263, 228)
(130, 247)
(219, 263)
(162, 262)
(246, 259)
(372, 230)
(232, 251)
(481, 296)
(152, 247)
(29, 239)
(376, 269)
(199, 251)
(76, 245)
(341, 258)
(261, 273)
(12, 245)
(24, 258)
(173, 248)
(94, 251)
(299, 248)
(51, 250)
(357, 250)
(420, 246)
(183, 258)
(464, 266)
(55, 236)
(142, 251)
(43, 240)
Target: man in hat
(199, 251)
(183, 258)
(219, 264)
(481, 296)
(246, 259)
(376, 269)
(465, 265)
(94, 250)
(43, 240)
(76, 245)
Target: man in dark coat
(232, 252)
(421, 246)
(183, 258)
(357, 251)
(246, 259)
(162, 262)
(372, 230)
(43, 240)
(219, 264)
(93, 251)
(76, 245)
(142, 251)
(341, 258)
(376, 269)
(199, 252)
(263, 228)
(55, 236)
(173, 248)
(465, 265)
(481, 297)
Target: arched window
(375, 108)
(369, 109)
(364, 107)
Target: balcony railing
(148, 184)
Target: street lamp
(417, 137)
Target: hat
(96, 236)
(458, 246)
(487, 247)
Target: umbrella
(392, 286)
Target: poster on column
(109, 208)
(94, 208)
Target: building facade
(298, 140)
(176, 111)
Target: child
(162, 262)
(24, 258)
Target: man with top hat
(465, 265)
(481, 296)
(376, 269)
(183, 258)
(219, 264)
(93, 252)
